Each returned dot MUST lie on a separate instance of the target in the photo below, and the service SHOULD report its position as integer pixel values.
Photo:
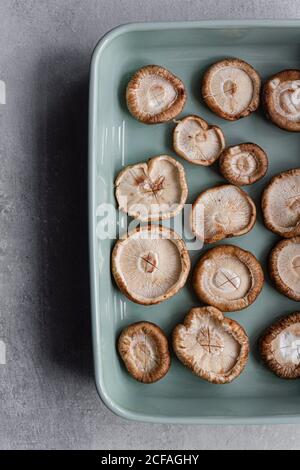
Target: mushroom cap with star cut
(280, 347)
(281, 99)
(144, 349)
(155, 95)
(228, 277)
(198, 142)
(152, 190)
(150, 264)
(215, 348)
(231, 88)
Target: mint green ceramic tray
(116, 139)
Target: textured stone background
(47, 395)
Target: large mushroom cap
(222, 212)
(281, 204)
(281, 98)
(243, 164)
(198, 142)
(280, 347)
(150, 264)
(284, 267)
(228, 278)
(144, 349)
(155, 95)
(214, 347)
(231, 89)
(152, 190)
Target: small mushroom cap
(153, 190)
(231, 89)
(284, 267)
(280, 347)
(150, 264)
(222, 212)
(281, 204)
(155, 95)
(243, 164)
(281, 99)
(144, 349)
(198, 142)
(214, 347)
(228, 278)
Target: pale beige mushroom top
(155, 95)
(231, 88)
(198, 142)
(280, 347)
(150, 265)
(222, 212)
(152, 190)
(214, 347)
(281, 204)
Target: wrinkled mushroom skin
(228, 277)
(228, 212)
(281, 204)
(198, 142)
(231, 89)
(153, 190)
(284, 267)
(280, 347)
(214, 347)
(281, 100)
(150, 264)
(154, 95)
(144, 350)
(243, 164)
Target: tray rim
(114, 407)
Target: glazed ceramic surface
(117, 140)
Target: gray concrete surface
(47, 395)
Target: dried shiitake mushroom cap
(243, 164)
(214, 347)
(155, 95)
(150, 264)
(222, 212)
(197, 141)
(152, 190)
(281, 204)
(228, 278)
(284, 267)
(144, 349)
(280, 347)
(231, 89)
(281, 98)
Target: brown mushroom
(214, 347)
(231, 89)
(284, 267)
(243, 164)
(281, 99)
(150, 264)
(228, 278)
(198, 142)
(155, 95)
(153, 190)
(222, 212)
(144, 350)
(280, 347)
(281, 204)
